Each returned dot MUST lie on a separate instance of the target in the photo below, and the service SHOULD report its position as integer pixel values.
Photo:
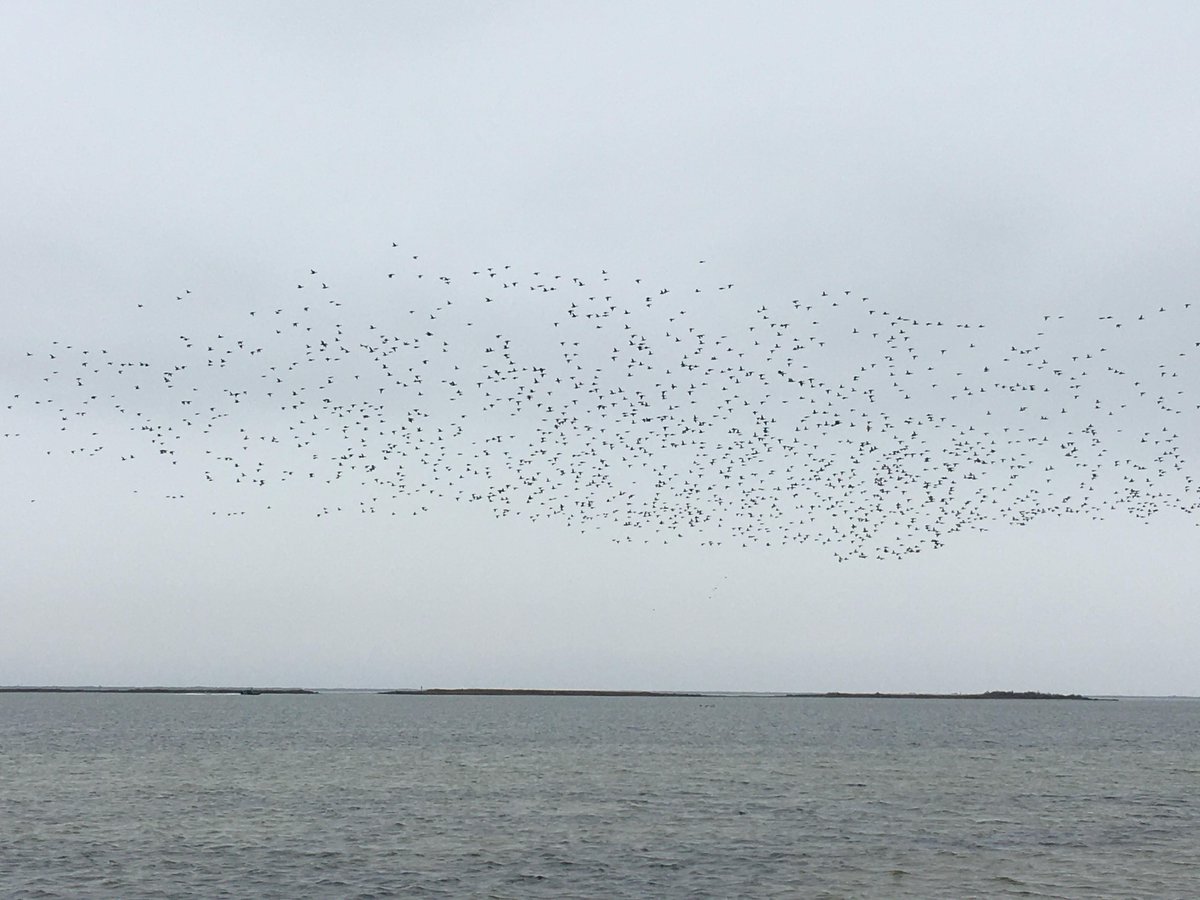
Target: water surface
(361, 795)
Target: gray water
(359, 795)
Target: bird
(867, 431)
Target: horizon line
(598, 692)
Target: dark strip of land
(537, 693)
(986, 695)
(541, 692)
(546, 692)
(152, 690)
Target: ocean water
(362, 795)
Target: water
(359, 795)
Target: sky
(993, 165)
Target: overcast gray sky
(990, 163)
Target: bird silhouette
(864, 430)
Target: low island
(986, 695)
(246, 691)
(537, 693)
(548, 692)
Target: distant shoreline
(538, 693)
(986, 695)
(550, 692)
(543, 692)
(153, 690)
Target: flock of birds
(642, 411)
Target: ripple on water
(368, 796)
